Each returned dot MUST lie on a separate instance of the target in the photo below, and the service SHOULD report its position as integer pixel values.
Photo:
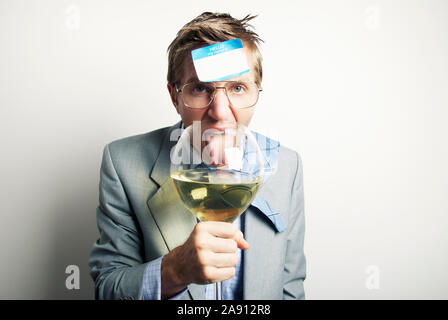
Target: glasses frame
(214, 92)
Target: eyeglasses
(200, 95)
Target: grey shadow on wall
(74, 230)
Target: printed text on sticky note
(220, 61)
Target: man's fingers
(223, 260)
(222, 232)
(220, 229)
(216, 244)
(221, 245)
(229, 244)
(218, 274)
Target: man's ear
(173, 95)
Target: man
(151, 246)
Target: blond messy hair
(210, 28)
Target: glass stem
(218, 290)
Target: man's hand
(208, 255)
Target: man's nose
(220, 109)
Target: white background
(358, 88)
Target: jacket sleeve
(295, 264)
(116, 261)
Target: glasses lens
(198, 94)
(240, 94)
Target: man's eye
(199, 88)
(238, 88)
(202, 89)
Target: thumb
(241, 242)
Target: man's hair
(207, 29)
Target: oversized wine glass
(217, 172)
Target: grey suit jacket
(141, 218)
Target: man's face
(220, 111)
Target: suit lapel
(173, 219)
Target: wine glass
(217, 172)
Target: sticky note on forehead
(220, 61)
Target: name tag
(220, 61)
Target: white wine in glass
(216, 195)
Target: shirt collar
(273, 215)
